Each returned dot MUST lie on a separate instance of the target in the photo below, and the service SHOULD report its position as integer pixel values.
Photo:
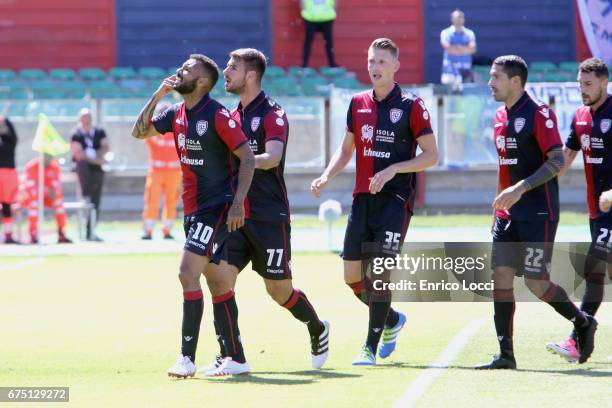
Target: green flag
(47, 139)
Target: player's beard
(593, 101)
(238, 88)
(186, 87)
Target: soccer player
(385, 125)
(265, 239)
(205, 137)
(53, 196)
(9, 181)
(526, 207)
(591, 132)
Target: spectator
(8, 176)
(53, 196)
(89, 145)
(319, 16)
(459, 45)
(163, 177)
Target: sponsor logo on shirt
(507, 162)
(193, 144)
(366, 110)
(367, 133)
(253, 145)
(597, 143)
(367, 152)
(201, 127)
(395, 115)
(192, 162)
(181, 141)
(500, 142)
(255, 123)
(519, 124)
(585, 142)
(604, 125)
(385, 136)
(593, 160)
(511, 143)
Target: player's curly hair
(253, 59)
(210, 67)
(596, 66)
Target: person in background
(53, 196)
(319, 16)
(459, 45)
(8, 176)
(89, 145)
(163, 177)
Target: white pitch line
(422, 382)
(22, 264)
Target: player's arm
(568, 158)
(11, 134)
(104, 147)
(605, 201)
(271, 157)
(77, 151)
(235, 217)
(143, 127)
(339, 160)
(427, 158)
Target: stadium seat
(7, 75)
(62, 74)
(32, 74)
(45, 89)
(332, 72)
(118, 73)
(348, 82)
(535, 76)
(569, 66)
(105, 89)
(152, 73)
(553, 77)
(287, 86)
(146, 89)
(315, 87)
(274, 72)
(74, 89)
(300, 72)
(542, 67)
(92, 74)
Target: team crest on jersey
(519, 124)
(585, 142)
(181, 141)
(500, 142)
(255, 123)
(201, 127)
(604, 125)
(395, 115)
(367, 133)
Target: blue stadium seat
(7, 75)
(118, 73)
(542, 66)
(315, 87)
(62, 74)
(273, 72)
(300, 72)
(92, 74)
(32, 74)
(152, 73)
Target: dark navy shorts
(525, 246)
(206, 231)
(381, 218)
(601, 238)
(267, 245)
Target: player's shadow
(257, 377)
(591, 371)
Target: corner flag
(47, 139)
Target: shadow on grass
(591, 370)
(258, 377)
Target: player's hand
(235, 217)
(508, 197)
(167, 86)
(605, 201)
(380, 179)
(317, 185)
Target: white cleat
(319, 347)
(183, 368)
(229, 367)
(212, 366)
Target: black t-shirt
(8, 141)
(91, 140)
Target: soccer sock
(594, 277)
(222, 352)
(362, 295)
(558, 299)
(193, 307)
(60, 218)
(301, 309)
(504, 306)
(379, 308)
(225, 311)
